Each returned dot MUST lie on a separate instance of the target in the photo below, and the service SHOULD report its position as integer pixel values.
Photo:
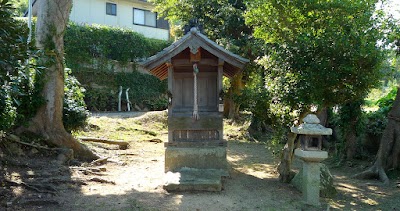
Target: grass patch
(149, 126)
(154, 125)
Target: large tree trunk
(388, 155)
(351, 140)
(231, 108)
(350, 118)
(285, 166)
(51, 24)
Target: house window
(144, 17)
(111, 9)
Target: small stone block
(193, 180)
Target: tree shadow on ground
(245, 189)
(33, 180)
(59, 188)
(241, 192)
(358, 194)
(252, 185)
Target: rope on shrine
(195, 105)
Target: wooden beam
(186, 62)
(220, 73)
(195, 57)
(160, 71)
(170, 88)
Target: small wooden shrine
(194, 66)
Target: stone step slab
(190, 179)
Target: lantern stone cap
(311, 119)
(311, 126)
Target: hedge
(104, 58)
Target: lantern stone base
(311, 174)
(326, 188)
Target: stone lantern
(310, 134)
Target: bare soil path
(132, 179)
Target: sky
(392, 7)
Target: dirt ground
(132, 179)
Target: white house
(133, 14)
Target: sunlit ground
(140, 170)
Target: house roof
(194, 40)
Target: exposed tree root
(16, 139)
(155, 140)
(388, 155)
(60, 139)
(100, 161)
(121, 144)
(96, 179)
(90, 170)
(37, 188)
(373, 172)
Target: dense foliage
(21, 6)
(377, 120)
(96, 43)
(20, 78)
(104, 58)
(145, 91)
(321, 52)
(368, 126)
(74, 109)
(222, 20)
(18, 96)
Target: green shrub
(101, 99)
(102, 89)
(19, 95)
(386, 102)
(74, 110)
(369, 125)
(145, 90)
(7, 109)
(377, 121)
(83, 43)
(11, 51)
